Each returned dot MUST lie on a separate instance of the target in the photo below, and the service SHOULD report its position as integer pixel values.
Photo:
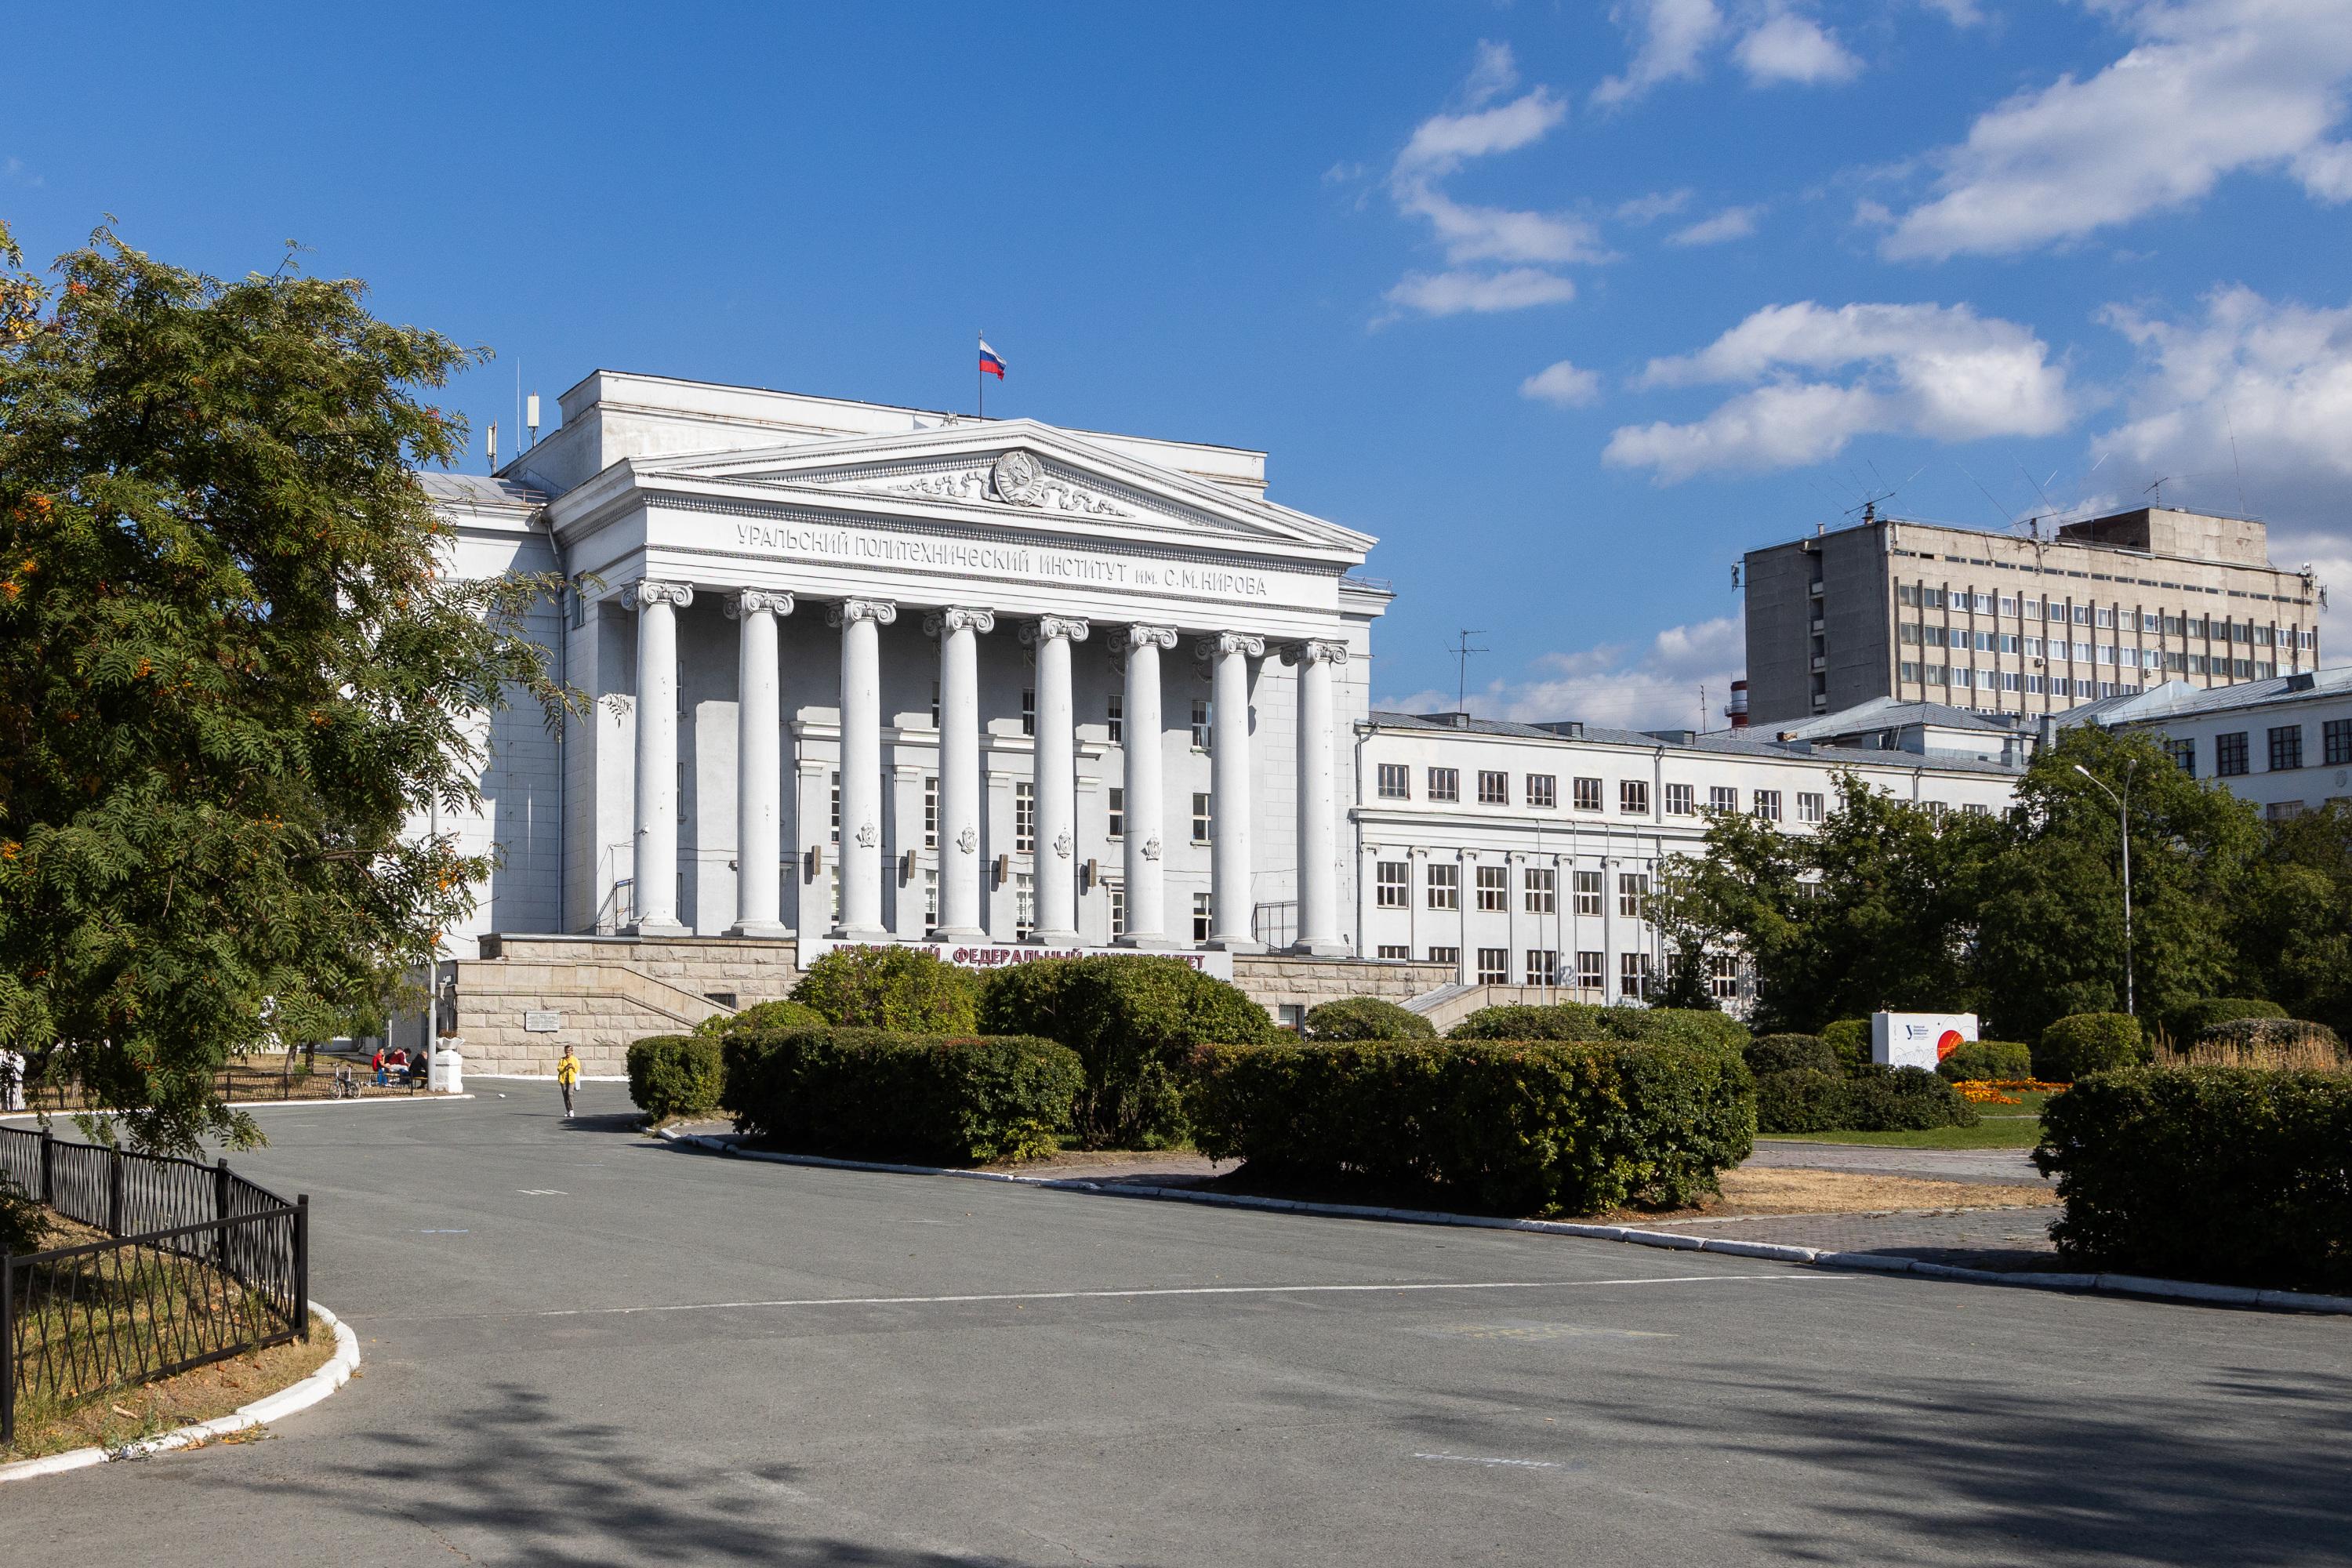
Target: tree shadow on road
(519, 1484)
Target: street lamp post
(2123, 810)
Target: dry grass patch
(1769, 1191)
(150, 1409)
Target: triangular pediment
(1011, 471)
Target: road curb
(294, 1397)
(2133, 1284)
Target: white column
(759, 764)
(959, 630)
(1147, 899)
(654, 883)
(1056, 785)
(860, 621)
(1318, 800)
(1232, 906)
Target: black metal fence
(199, 1265)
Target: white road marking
(978, 1299)
(1477, 1460)
(542, 1193)
(445, 1233)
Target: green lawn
(2002, 1127)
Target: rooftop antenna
(531, 419)
(2232, 421)
(1462, 652)
(2157, 489)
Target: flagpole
(980, 377)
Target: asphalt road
(584, 1348)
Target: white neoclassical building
(868, 673)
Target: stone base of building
(527, 997)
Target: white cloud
(1611, 685)
(1937, 371)
(1649, 209)
(2272, 379)
(1452, 293)
(13, 170)
(2210, 87)
(1564, 384)
(1787, 47)
(1731, 223)
(1673, 34)
(1522, 242)
(1959, 13)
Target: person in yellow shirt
(567, 1078)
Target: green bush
(675, 1075)
(901, 988)
(23, 1223)
(1559, 1021)
(1850, 1038)
(1513, 1127)
(1791, 1053)
(1801, 1100)
(2184, 1023)
(2234, 1175)
(2085, 1042)
(1585, 1022)
(1899, 1100)
(1134, 1021)
(1979, 1060)
(764, 1015)
(2270, 1034)
(1367, 1018)
(882, 1094)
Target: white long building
(863, 673)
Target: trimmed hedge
(2273, 1033)
(1367, 1018)
(1850, 1038)
(1134, 1021)
(1876, 1099)
(901, 988)
(675, 1075)
(764, 1015)
(1791, 1053)
(1801, 1100)
(878, 1093)
(1979, 1060)
(2225, 1174)
(2184, 1023)
(2085, 1042)
(1584, 1021)
(1515, 1127)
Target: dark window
(1444, 784)
(1396, 781)
(1543, 791)
(2229, 753)
(2184, 755)
(2336, 735)
(1588, 795)
(1634, 797)
(1393, 883)
(2286, 747)
(1494, 967)
(1494, 788)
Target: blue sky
(1568, 304)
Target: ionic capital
(1306, 653)
(645, 592)
(881, 612)
(959, 619)
(1225, 643)
(1046, 629)
(1150, 636)
(758, 601)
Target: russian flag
(991, 363)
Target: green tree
(2049, 899)
(232, 678)
(2294, 930)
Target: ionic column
(1056, 785)
(959, 630)
(1231, 905)
(1319, 799)
(1147, 901)
(860, 621)
(759, 764)
(654, 878)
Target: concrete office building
(2017, 625)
